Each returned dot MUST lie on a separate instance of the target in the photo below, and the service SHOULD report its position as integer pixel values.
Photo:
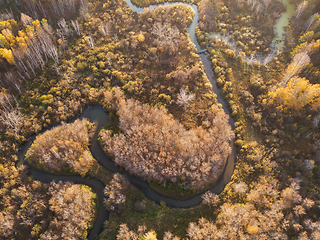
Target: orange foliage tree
(155, 146)
(73, 208)
(63, 148)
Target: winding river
(97, 115)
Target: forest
(56, 152)
(211, 124)
(156, 147)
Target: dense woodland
(155, 146)
(59, 56)
(62, 148)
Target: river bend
(97, 115)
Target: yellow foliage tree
(3, 41)
(2, 25)
(316, 46)
(252, 229)
(7, 54)
(11, 23)
(151, 235)
(298, 93)
(141, 37)
(9, 36)
(36, 24)
(21, 42)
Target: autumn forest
(160, 119)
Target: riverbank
(127, 57)
(174, 190)
(260, 158)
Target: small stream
(281, 23)
(97, 115)
(276, 45)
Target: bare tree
(6, 224)
(6, 16)
(299, 61)
(13, 80)
(241, 188)
(76, 27)
(47, 28)
(115, 193)
(184, 98)
(210, 198)
(180, 76)
(10, 114)
(300, 9)
(167, 36)
(90, 41)
(70, 5)
(311, 20)
(104, 28)
(109, 60)
(26, 20)
(84, 9)
(64, 27)
(125, 233)
(266, 4)
(22, 68)
(58, 8)
(48, 47)
(316, 120)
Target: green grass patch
(160, 218)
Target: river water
(281, 23)
(97, 115)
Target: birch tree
(104, 28)
(167, 36)
(184, 98)
(64, 27)
(13, 81)
(299, 61)
(311, 20)
(10, 113)
(76, 27)
(297, 94)
(90, 41)
(26, 20)
(301, 7)
(84, 12)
